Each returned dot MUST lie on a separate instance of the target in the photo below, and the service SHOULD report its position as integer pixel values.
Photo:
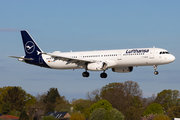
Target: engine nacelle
(97, 66)
(122, 69)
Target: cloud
(9, 30)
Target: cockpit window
(164, 52)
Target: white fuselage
(113, 58)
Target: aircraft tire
(85, 74)
(156, 72)
(103, 75)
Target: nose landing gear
(155, 72)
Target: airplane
(120, 60)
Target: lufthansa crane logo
(29, 47)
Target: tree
(30, 100)
(50, 99)
(15, 113)
(87, 113)
(136, 102)
(32, 112)
(168, 98)
(114, 114)
(40, 101)
(153, 108)
(52, 95)
(81, 104)
(98, 114)
(135, 110)
(132, 89)
(134, 113)
(109, 87)
(147, 101)
(161, 117)
(62, 104)
(14, 99)
(3, 92)
(123, 96)
(114, 93)
(101, 104)
(77, 116)
(94, 95)
(5, 108)
(174, 112)
(35, 110)
(23, 115)
(63, 107)
(61, 100)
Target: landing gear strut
(155, 72)
(103, 75)
(85, 74)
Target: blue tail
(32, 50)
(30, 47)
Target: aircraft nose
(172, 58)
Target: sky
(69, 25)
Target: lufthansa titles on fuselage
(137, 51)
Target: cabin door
(119, 56)
(151, 54)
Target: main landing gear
(155, 72)
(102, 75)
(85, 74)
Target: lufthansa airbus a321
(121, 61)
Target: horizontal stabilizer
(21, 58)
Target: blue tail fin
(30, 46)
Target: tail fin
(30, 46)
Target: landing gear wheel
(155, 68)
(85, 74)
(103, 75)
(156, 72)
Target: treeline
(114, 101)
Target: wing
(79, 62)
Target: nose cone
(172, 58)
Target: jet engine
(97, 66)
(122, 69)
